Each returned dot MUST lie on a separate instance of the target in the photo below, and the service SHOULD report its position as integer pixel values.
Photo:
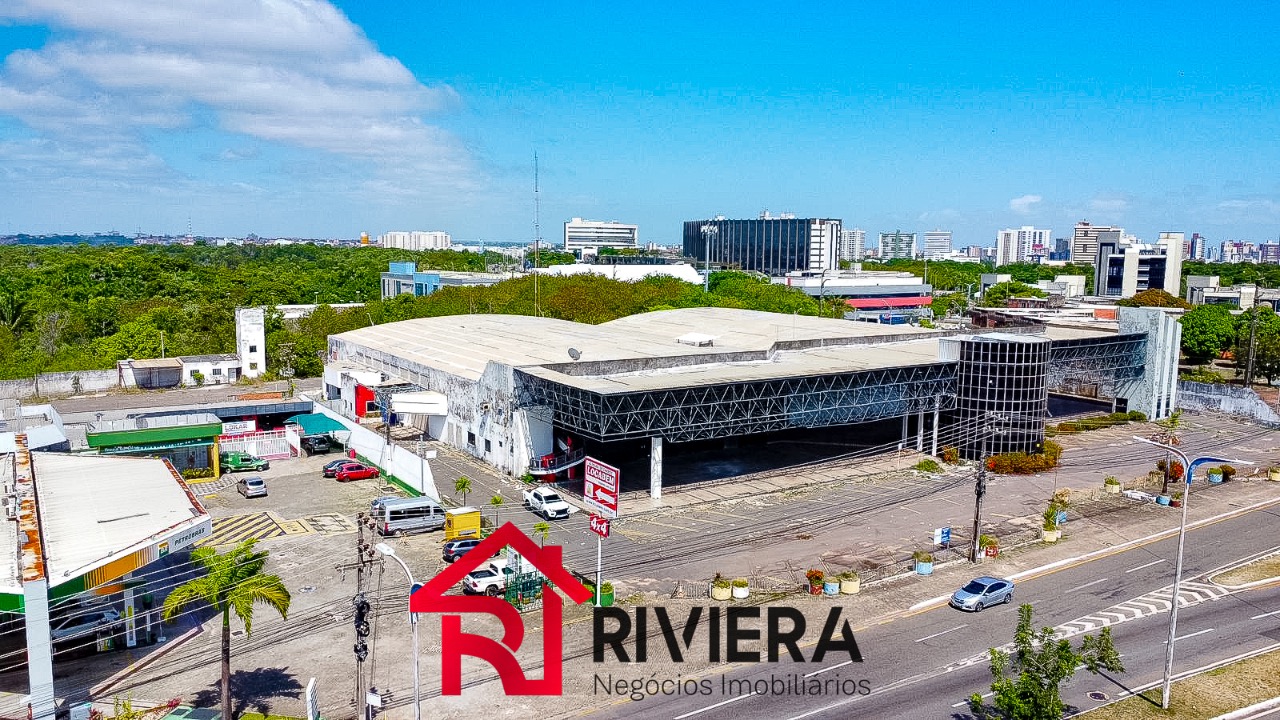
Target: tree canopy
(1207, 331)
(1155, 297)
(998, 295)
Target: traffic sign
(942, 536)
(600, 525)
(600, 490)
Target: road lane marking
(1184, 637)
(1091, 584)
(828, 669)
(713, 707)
(944, 632)
(1259, 617)
(1155, 562)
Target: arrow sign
(604, 497)
(600, 489)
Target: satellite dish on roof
(574, 353)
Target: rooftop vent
(696, 340)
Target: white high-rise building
(417, 240)
(937, 244)
(1014, 245)
(897, 244)
(1085, 239)
(852, 244)
(1124, 267)
(580, 234)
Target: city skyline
(304, 118)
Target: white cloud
(1109, 204)
(1026, 204)
(293, 72)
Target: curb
(1247, 712)
(106, 685)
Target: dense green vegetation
(951, 275)
(79, 308)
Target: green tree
(1207, 331)
(1257, 330)
(462, 486)
(1027, 684)
(998, 295)
(233, 581)
(542, 529)
(949, 304)
(496, 502)
(1155, 297)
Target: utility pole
(979, 491)
(1253, 337)
(361, 604)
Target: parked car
(355, 471)
(490, 580)
(983, 592)
(401, 516)
(252, 487)
(73, 626)
(455, 549)
(233, 461)
(316, 444)
(545, 502)
(331, 468)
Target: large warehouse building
(530, 394)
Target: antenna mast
(537, 233)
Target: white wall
(406, 466)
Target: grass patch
(1204, 696)
(1262, 569)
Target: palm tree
(462, 486)
(232, 581)
(496, 502)
(543, 529)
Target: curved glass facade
(1002, 393)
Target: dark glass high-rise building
(770, 245)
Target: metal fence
(271, 444)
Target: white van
(402, 516)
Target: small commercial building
(209, 369)
(187, 441)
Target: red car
(355, 471)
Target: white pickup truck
(490, 579)
(545, 502)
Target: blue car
(982, 592)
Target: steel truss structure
(1098, 364)
(732, 409)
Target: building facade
(417, 240)
(852, 244)
(771, 245)
(1085, 239)
(897, 245)
(582, 234)
(937, 244)
(1014, 245)
(1125, 267)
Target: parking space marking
(330, 523)
(295, 527)
(237, 528)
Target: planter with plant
(1214, 475)
(850, 583)
(1111, 484)
(1053, 515)
(989, 545)
(721, 588)
(1228, 472)
(1163, 500)
(831, 585)
(1175, 500)
(923, 561)
(1273, 473)
(741, 589)
(950, 455)
(815, 578)
(606, 594)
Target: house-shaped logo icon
(454, 643)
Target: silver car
(252, 487)
(76, 625)
(983, 592)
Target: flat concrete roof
(96, 509)
(10, 572)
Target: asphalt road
(926, 665)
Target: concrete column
(655, 468)
(906, 432)
(920, 432)
(39, 648)
(130, 614)
(936, 405)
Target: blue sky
(296, 117)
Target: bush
(921, 556)
(1111, 480)
(719, 581)
(1020, 463)
(986, 541)
(197, 473)
(606, 587)
(848, 575)
(740, 582)
(928, 465)
(1137, 416)
(950, 455)
(1175, 469)
(1227, 472)
(815, 576)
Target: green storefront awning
(316, 424)
(154, 448)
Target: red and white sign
(600, 525)
(601, 489)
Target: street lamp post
(390, 552)
(708, 230)
(1190, 465)
(822, 294)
